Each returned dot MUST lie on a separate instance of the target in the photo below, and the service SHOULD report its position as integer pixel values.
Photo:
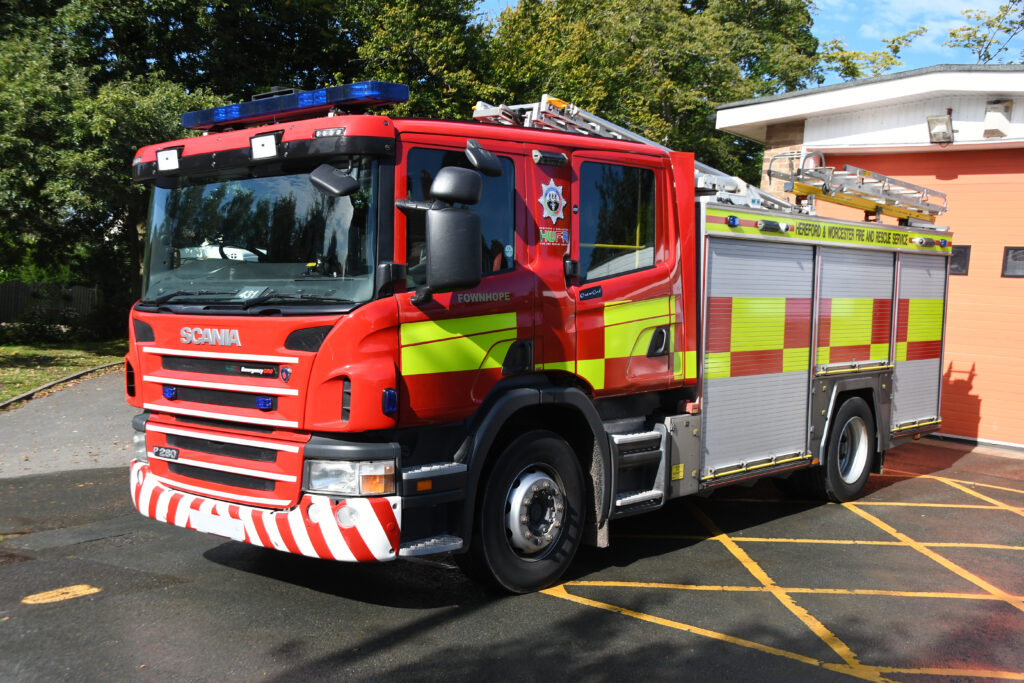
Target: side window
(617, 219)
(496, 209)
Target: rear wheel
(851, 448)
(529, 522)
(848, 457)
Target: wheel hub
(853, 450)
(534, 511)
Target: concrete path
(84, 426)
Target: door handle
(659, 343)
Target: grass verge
(24, 367)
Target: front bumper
(311, 528)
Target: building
(958, 130)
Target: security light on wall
(940, 129)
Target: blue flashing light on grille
(264, 403)
(389, 402)
(353, 97)
(733, 222)
(170, 393)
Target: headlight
(350, 477)
(139, 442)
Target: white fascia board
(750, 121)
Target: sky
(864, 24)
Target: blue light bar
(353, 96)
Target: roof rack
(873, 193)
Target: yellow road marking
(904, 473)
(997, 503)
(60, 594)
(818, 628)
(959, 673)
(965, 506)
(1011, 600)
(824, 541)
(560, 592)
(802, 591)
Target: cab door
(623, 289)
(456, 346)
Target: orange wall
(983, 388)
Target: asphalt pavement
(84, 425)
(919, 580)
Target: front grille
(222, 424)
(213, 366)
(230, 450)
(221, 398)
(218, 477)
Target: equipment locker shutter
(919, 319)
(855, 306)
(757, 352)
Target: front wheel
(850, 451)
(529, 522)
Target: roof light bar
(353, 96)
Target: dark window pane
(496, 209)
(617, 213)
(960, 260)
(1013, 262)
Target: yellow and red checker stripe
(757, 335)
(853, 329)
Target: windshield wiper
(274, 296)
(164, 298)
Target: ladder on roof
(873, 193)
(551, 113)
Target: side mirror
(456, 185)
(333, 181)
(453, 249)
(483, 160)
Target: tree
(438, 49)
(988, 36)
(657, 67)
(849, 64)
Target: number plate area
(165, 452)
(218, 526)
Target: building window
(1013, 262)
(617, 220)
(960, 259)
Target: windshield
(236, 240)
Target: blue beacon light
(362, 95)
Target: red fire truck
(363, 338)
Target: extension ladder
(873, 193)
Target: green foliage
(849, 64)
(655, 66)
(436, 48)
(988, 36)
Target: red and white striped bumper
(310, 529)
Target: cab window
(496, 209)
(617, 219)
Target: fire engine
(364, 338)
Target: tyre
(529, 519)
(850, 452)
